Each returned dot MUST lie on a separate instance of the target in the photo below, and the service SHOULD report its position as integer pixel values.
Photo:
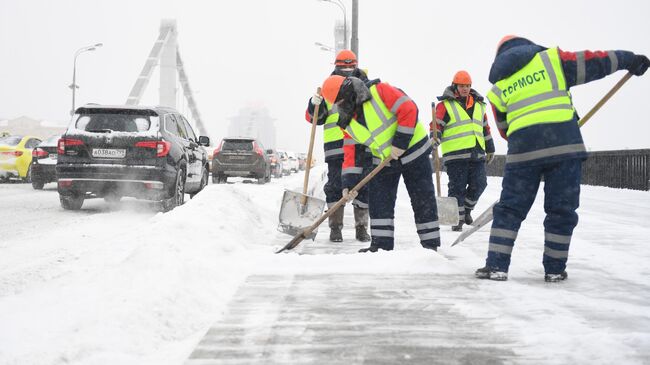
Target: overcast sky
(261, 52)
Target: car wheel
(37, 185)
(204, 183)
(71, 202)
(178, 194)
(222, 179)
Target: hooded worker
(385, 119)
(534, 112)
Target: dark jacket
(546, 141)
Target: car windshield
(10, 141)
(238, 145)
(109, 122)
(50, 141)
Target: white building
(23, 126)
(254, 122)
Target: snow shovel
(447, 206)
(300, 210)
(306, 233)
(479, 222)
(487, 216)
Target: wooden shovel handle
(307, 231)
(436, 159)
(607, 96)
(314, 122)
(343, 200)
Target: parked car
(302, 160)
(293, 161)
(44, 158)
(241, 157)
(286, 165)
(276, 163)
(148, 153)
(211, 151)
(16, 156)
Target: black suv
(114, 151)
(243, 157)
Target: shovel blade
(447, 210)
(299, 212)
(480, 221)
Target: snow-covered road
(127, 285)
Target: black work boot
(468, 216)
(491, 273)
(336, 224)
(457, 228)
(361, 222)
(554, 278)
(369, 249)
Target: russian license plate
(109, 152)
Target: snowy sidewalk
(351, 319)
(323, 303)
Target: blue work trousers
(333, 187)
(561, 199)
(467, 181)
(383, 193)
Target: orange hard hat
(346, 58)
(331, 87)
(462, 78)
(505, 39)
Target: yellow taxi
(16, 156)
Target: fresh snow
(126, 285)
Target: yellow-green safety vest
(462, 131)
(331, 131)
(381, 125)
(536, 94)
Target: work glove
(489, 157)
(349, 195)
(316, 99)
(396, 152)
(639, 65)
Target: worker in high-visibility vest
(463, 133)
(335, 148)
(534, 112)
(383, 118)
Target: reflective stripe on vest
(381, 125)
(536, 94)
(462, 132)
(331, 131)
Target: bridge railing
(624, 169)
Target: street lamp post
(340, 4)
(74, 85)
(324, 47)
